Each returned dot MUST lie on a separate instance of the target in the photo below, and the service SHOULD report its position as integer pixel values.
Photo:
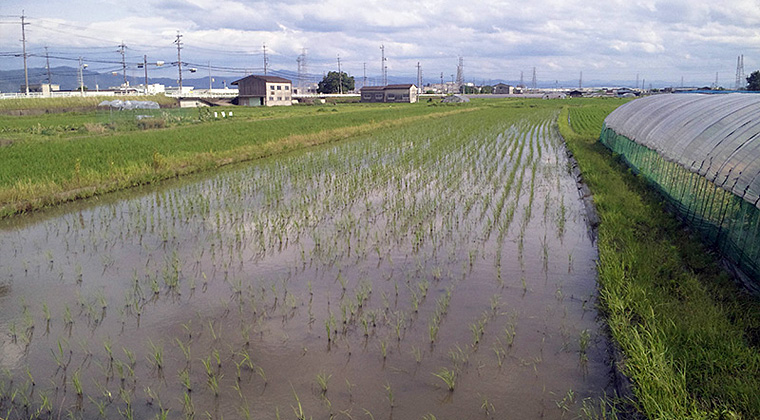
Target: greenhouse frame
(702, 152)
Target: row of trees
(753, 81)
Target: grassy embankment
(41, 168)
(45, 105)
(689, 335)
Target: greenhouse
(703, 153)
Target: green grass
(689, 335)
(38, 171)
(73, 102)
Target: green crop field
(60, 158)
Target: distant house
(264, 91)
(503, 89)
(554, 95)
(575, 94)
(404, 93)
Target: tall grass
(73, 102)
(688, 333)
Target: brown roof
(270, 79)
(378, 88)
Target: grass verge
(688, 333)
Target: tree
(332, 82)
(753, 81)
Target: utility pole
(23, 43)
(145, 66)
(715, 85)
(266, 61)
(340, 77)
(47, 64)
(383, 68)
(364, 80)
(442, 82)
(637, 80)
(123, 64)
(522, 80)
(419, 76)
(209, 77)
(460, 75)
(580, 81)
(81, 76)
(179, 60)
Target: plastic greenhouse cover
(121, 105)
(717, 136)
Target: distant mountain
(67, 78)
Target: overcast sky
(661, 41)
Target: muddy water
(335, 282)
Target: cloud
(559, 37)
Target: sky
(656, 42)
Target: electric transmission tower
(460, 75)
(384, 67)
(301, 60)
(739, 72)
(533, 82)
(266, 61)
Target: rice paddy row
(440, 268)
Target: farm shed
(391, 93)
(264, 91)
(703, 153)
(503, 89)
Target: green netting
(729, 222)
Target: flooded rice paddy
(440, 271)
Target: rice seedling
(76, 382)
(389, 394)
(156, 357)
(486, 406)
(583, 343)
(298, 408)
(448, 377)
(322, 379)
